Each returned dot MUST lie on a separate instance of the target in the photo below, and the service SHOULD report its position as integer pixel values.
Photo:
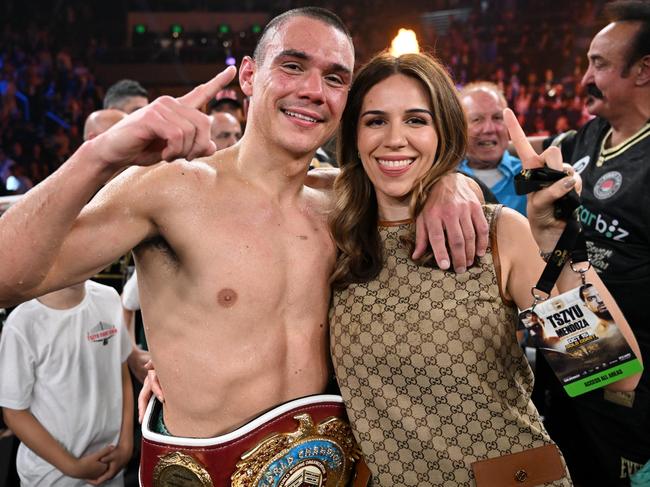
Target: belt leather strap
(307, 441)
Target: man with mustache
(605, 436)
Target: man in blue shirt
(487, 157)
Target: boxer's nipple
(227, 297)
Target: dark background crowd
(58, 58)
(52, 55)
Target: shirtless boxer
(233, 251)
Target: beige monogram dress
(430, 370)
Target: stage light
(176, 30)
(405, 42)
(224, 29)
(231, 61)
(140, 37)
(256, 29)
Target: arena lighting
(224, 29)
(176, 30)
(230, 61)
(405, 42)
(140, 36)
(256, 29)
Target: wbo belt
(304, 442)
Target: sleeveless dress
(430, 370)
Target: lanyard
(571, 245)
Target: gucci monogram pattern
(430, 370)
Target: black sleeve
(566, 141)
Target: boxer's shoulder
(167, 178)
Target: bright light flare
(405, 42)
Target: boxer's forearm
(473, 185)
(33, 230)
(322, 178)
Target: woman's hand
(150, 386)
(546, 229)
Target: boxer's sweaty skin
(233, 252)
(235, 316)
(233, 299)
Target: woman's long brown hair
(354, 219)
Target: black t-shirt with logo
(615, 215)
(603, 441)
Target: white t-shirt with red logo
(65, 367)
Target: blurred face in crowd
(236, 112)
(299, 86)
(607, 84)
(100, 121)
(224, 130)
(487, 133)
(396, 138)
(562, 124)
(133, 103)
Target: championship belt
(305, 442)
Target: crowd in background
(47, 85)
(52, 68)
(48, 56)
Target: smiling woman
(418, 110)
(435, 385)
(397, 141)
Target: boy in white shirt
(65, 387)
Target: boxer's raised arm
(47, 242)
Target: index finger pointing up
(203, 93)
(529, 158)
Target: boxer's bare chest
(243, 250)
(237, 288)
